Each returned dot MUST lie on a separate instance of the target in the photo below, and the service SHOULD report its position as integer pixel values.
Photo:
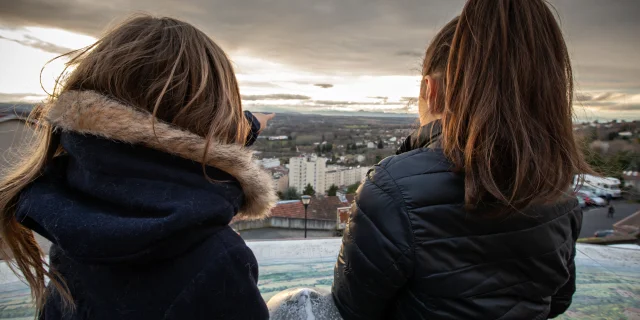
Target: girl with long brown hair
(139, 165)
(472, 219)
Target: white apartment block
(308, 170)
(268, 163)
(345, 176)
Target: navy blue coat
(411, 251)
(138, 231)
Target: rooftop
(320, 208)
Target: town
(314, 154)
(327, 157)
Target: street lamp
(305, 201)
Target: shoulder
(417, 162)
(420, 178)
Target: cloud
(334, 103)
(599, 97)
(330, 37)
(608, 101)
(256, 84)
(410, 53)
(33, 42)
(624, 107)
(353, 103)
(357, 37)
(20, 97)
(279, 96)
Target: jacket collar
(87, 112)
(427, 136)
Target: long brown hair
(160, 65)
(504, 91)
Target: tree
(308, 190)
(612, 136)
(318, 149)
(380, 144)
(289, 194)
(609, 165)
(353, 188)
(592, 135)
(332, 190)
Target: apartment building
(308, 170)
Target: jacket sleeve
(377, 253)
(255, 128)
(561, 301)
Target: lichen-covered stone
(303, 304)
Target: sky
(320, 56)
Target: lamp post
(305, 201)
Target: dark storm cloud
(279, 96)
(324, 85)
(333, 36)
(357, 37)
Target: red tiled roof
(320, 208)
(288, 210)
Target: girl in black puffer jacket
(471, 220)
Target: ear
(431, 89)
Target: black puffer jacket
(411, 252)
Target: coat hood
(88, 112)
(119, 192)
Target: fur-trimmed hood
(87, 112)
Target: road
(595, 219)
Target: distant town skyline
(331, 56)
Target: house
(631, 179)
(287, 220)
(371, 145)
(268, 163)
(277, 138)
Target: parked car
(603, 233)
(591, 199)
(581, 201)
